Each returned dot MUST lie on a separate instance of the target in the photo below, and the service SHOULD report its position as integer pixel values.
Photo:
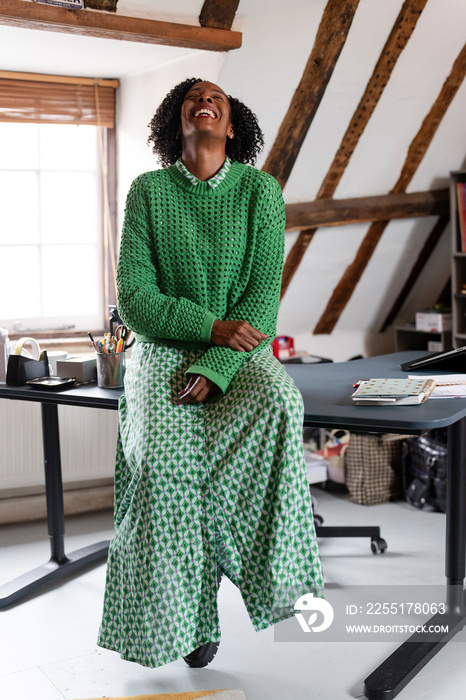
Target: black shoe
(203, 655)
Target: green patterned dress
(220, 484)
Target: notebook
(386, 392)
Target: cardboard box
(433, 321)
(79, 367)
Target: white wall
(275, 49)
(264, 73)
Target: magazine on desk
(393, 392)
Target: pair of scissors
(123, 333)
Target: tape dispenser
(21, 367)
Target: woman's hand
(237, 335)
(198, 389)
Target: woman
(210, 471)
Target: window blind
(57, 99)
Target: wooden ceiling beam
(396, 42)
(218, 13)
(444, 297)
(331, 37)
(416, 270)
(432, 121)
(345, 288)
(398, 38)
(351, 277)
(103, 25)
(337, 212)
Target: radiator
(87, 443)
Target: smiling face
(206, 110)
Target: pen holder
(111, 369)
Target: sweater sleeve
(259, 302)
(141, 304)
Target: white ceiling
(35, 51)
(48, 52)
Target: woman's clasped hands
(237, 335)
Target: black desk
(326, 390)
(60, 564)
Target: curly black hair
(164, 128)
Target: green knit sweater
(191, 254)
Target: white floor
(48, 649)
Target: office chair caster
(378, 545)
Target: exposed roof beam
(104, 25)
(396, 42)
(416, 270)
(331, 36)
(444, 297)
(218, 13)
(335, 212)
(345, 288)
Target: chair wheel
(202, 656)
(378, 545)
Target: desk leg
(60, 566)
(396, 671)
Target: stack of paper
(447, 386)
(396, 392)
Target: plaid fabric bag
(373, 468)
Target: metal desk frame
(326, 392)
(60, 564)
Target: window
(51, 222)
(55, 222)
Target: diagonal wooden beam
(416, 270)
(444, 297)
(337, 212)
(431, 123)
(345, 288)
(353, 272)
(104, 25)
(218, 13)
(396, 42)
(398, 38)
(331, 37)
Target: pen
(92, 340)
